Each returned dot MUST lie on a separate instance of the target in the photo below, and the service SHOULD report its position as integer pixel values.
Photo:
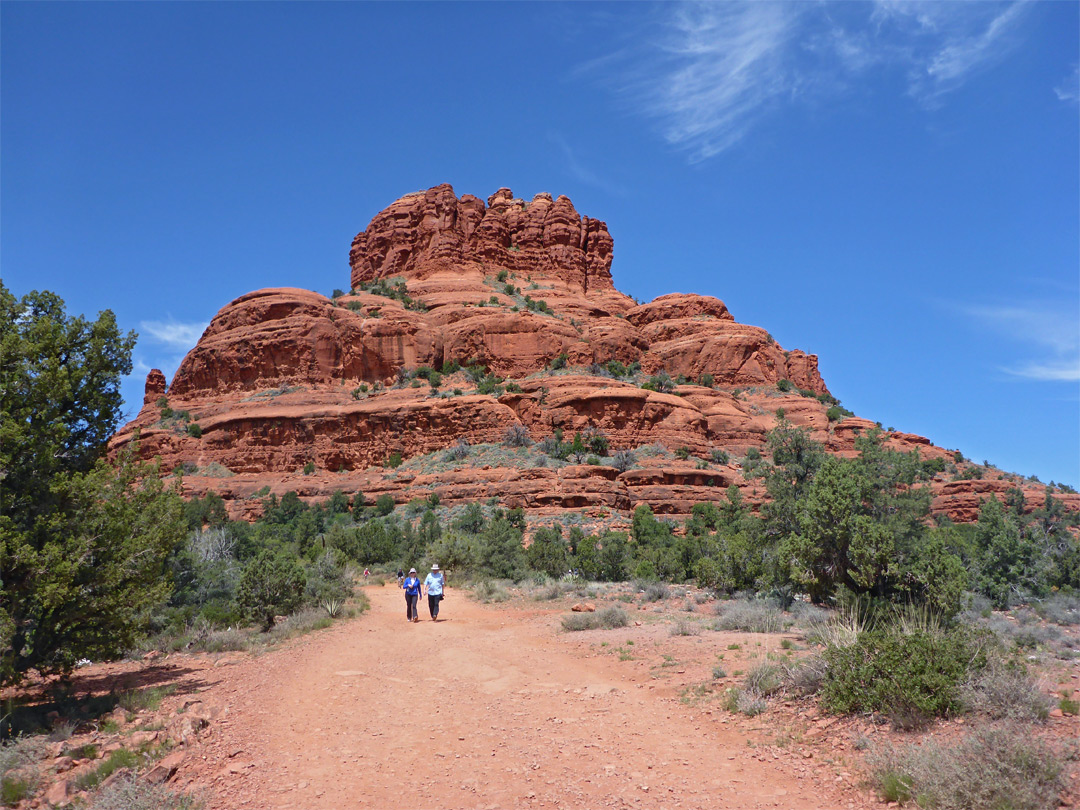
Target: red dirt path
(491, 707)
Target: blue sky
(892, 186)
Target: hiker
(400, 577)
(434, 586)
(412, 596)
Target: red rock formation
(428, 231)
(155, 387)
(286, 377)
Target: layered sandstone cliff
(288, 379)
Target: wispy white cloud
(1052, 330)
(709, 73)
(1069, 89)
(174, 334)
(580, 171)
(958, 40)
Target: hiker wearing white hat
(434, 584)
(412, 587)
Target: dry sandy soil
(493, 706)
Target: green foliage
(60, 397)
(500, 552)
(838, 541)
(194, 430)
(120, 758)
(392, 288)
(661, 383)
(14, 789)
(537, 305)
(384, 504)
(559, 362)
(338, 503)
(706, 380)
(910, 677)
(471, 520)
(208, 510)
(82, 544)
(394, 460)
(309, 468)
(548, 552)
(783, 385)
(501, 277)
(270, 585)
(1010, 563)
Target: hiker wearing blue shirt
(412, 596)
(434, 585)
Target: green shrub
(1068, 705)
(682, 453)
(120, 758)
(270, 585)
(559, 361)
(384, 504)
(194, 430)
(139, 700)
(911, 677)
(783, 385)
(501, 276)
(309, 468)
(393, 461)
(706, 380)
(661, 383)
(14, 789)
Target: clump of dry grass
(1002, 766)
(608, 618)
(751, 616)
(685, 627)
(1004, 690)
(488, 591)
(132, 793)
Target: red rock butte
(288, 379)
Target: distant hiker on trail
(400, 577)
(366, 573)
(412, 596)
(434, 586)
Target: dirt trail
(487, 708)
